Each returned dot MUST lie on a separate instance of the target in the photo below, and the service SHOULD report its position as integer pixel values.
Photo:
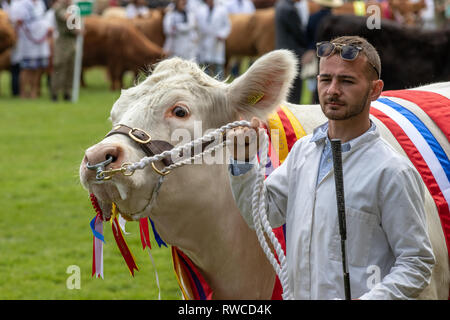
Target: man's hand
(243, 142)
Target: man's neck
(349, 129)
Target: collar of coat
(320, 136)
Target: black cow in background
(410, 57)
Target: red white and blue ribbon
(422, 148)
(97, 246)
(98, 239)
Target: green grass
(45, 212)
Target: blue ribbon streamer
(96, 234)
(158, 239)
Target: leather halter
(144, 140)
(152, 147)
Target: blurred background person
(180, 30)
(5, 5)
(289, 34)
(64, 57)
(240, 6)
(214, 27)
(193, 5)
(137, 9)
(50, 17)
(442, 13)
(33, 44)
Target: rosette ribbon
(97, 246)
(121, 243)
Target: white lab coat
(32, 31)
(181, 37)
(5, 6)
(132, 11)
(212, 26)
(240, 6)
(386, 227)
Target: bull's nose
(101, 152)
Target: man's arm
(403, 220)
(243, 143)
(242, 179)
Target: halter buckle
(141, 141)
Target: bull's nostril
(108, 156)
(103, 154)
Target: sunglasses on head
(348, 52)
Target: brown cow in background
(118, 46)
(7, 40)
(151, 27)
(7, 33)
(251, 34)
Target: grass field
(44, 211)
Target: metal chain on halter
(259, 213)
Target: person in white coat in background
(180, 31)
(33, 47)
(214, 27)
(240, 6)
(137, 9)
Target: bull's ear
(264, 86)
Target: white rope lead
(259, 207)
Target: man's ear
(264, 86)
(377, 88)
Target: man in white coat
(137, 9)
(240, 6)
(384, 195)
(32, 48)
(181, 32)
(214, 27)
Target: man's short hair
(369, 50)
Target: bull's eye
(180, 112)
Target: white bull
(195, 210)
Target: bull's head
(179, 95)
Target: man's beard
(352, 110)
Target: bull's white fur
(195, 209)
